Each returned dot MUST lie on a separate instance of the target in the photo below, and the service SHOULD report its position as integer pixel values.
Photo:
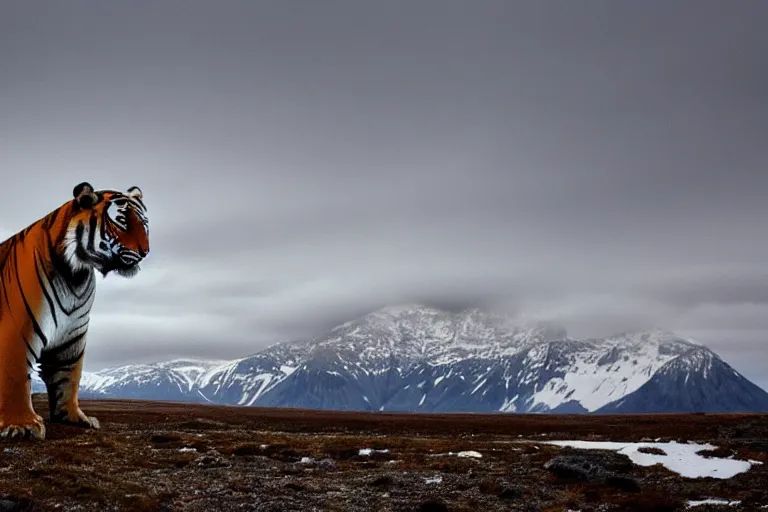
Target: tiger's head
(108, 231)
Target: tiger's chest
(57, 328)
(62, 317)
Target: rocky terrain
(154, 456)
(419, 359)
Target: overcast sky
(602, 164)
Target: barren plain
(160, 456)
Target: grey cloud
(741, 286)
(599, 165)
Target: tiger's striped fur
(47, 289)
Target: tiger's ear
(135, 192)
(84, 195)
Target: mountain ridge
(416, 358)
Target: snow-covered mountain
(414, 358)
(697, 380)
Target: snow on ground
(470, 454)
(711, 501)
(364, 452)
(680, 458)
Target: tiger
(47, 285)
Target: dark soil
(153, 456)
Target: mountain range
(421, 359)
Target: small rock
(164, 438)
(511, 492)
(651, 450)
(501, 489)
(11, 504)
(595, 467)
(433, 506)
(625, 483)
(382, 481)
(210, 461)
(575, 467)
(326, 464)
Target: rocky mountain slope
(414, 358)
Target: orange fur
(16, 326)
(33, 327)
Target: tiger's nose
(142, 252)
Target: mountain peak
(653, 336)
(405, 308)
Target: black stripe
(30, 349)
(57, 383)
(79, 279)
(83, 314)
(35, 325)
(53, 216)
(51, 353)
(62, 268)
(11, 246)
(69, 312)
(6, 269)
(92, 231)
(45, 289)
(75, 329)
(60, 365)
(58, 300)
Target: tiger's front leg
(18, 419)
(62, 381)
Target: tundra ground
(159, 456)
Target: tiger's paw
(32, 429)
(78, 419)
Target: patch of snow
(306, 460)
(465, 454)
(482, 383)
(713, 501)
(434, 480)
(364, 452)
(509, 404)
(680, 458)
